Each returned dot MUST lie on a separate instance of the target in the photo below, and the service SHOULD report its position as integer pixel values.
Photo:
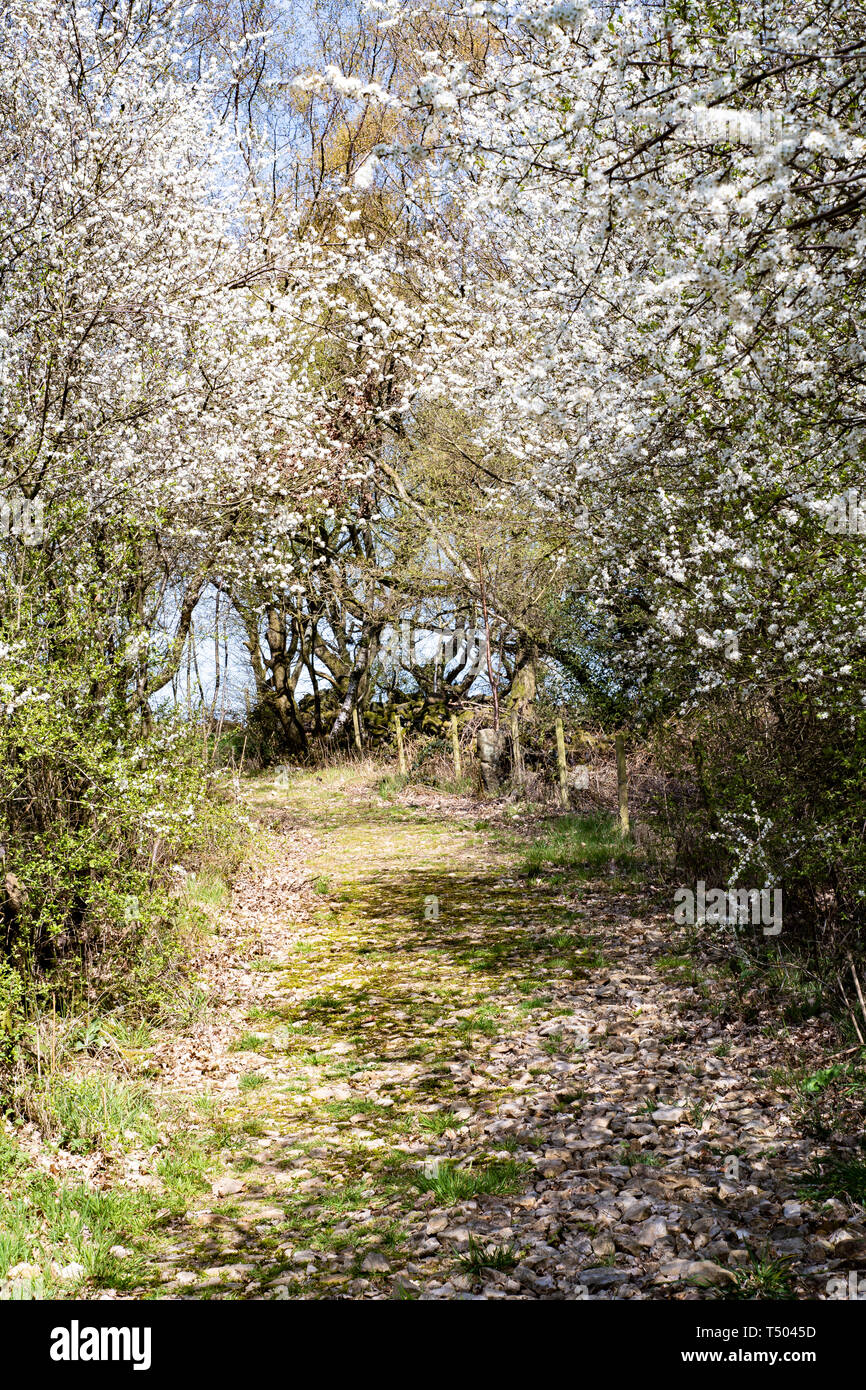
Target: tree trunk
(491, 746)
(363, 656)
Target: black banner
(78, 1342)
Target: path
(439, 1081)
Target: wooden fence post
(622, 782)
(455, 744)
(401, 752)
(357, 723)
(561, 763)
(519, 771)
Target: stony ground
(437, 1079)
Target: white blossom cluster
(161, 320)
(662, 317)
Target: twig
(857, 984)
(850, 1010)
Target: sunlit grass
(584, 845)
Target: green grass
(484, 1021)
(452, 1183)
(325, 1006)
(346, 1109)
(52, 1225)
(763, 1279)
(389, 786)
(585, 846)
(479, 1257)
(183, 1170)
(343, 1199)
(678, 968)
(251, 1080)
(531, 987)
(836, 1177)
(253, 1127)
(438, 1121)
(207, 888)
(87, 1113)
(538, 1002)
(43, 1222)
(631, 1156)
